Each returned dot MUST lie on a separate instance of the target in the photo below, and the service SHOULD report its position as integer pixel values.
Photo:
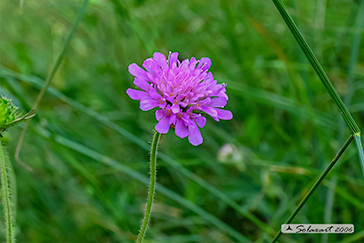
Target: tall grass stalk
(354, 56)
(317, 183)
(317, 66)
(6, 198)
(51, 75)
(151, 191)
(350, 122)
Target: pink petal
(186, 119)
(160, 59)
(159, 114)
(209, 77)
(162, 105)
(220, 90)
(204, 64)
(200, 120)
(184, 64)
(184, 103)
(224, 114)
(181, 129)
(151, 66)
(173, 59)
(148, 104)
(154, 94)
(206, 101)
(209, 110)
(137, 94)
(137, 71)
(218, 102)
(194, 136)
(193, 62)
(163, 125)
(216, 118)
(141, 83)
(172, 118)
(175, 109)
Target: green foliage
(88, 145)
(8, 112)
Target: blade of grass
(317, 183)
(177, 166)
(354, 55)
(349, 120)
(319, 25)
(51, 75)
(284, 103)
(343, 34)
(354, 52)
(136, 175)
(317, 66)
(230, 25)
(353, 61)
(355, 237)
(358, 204)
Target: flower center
(168, 112)
(162, 100)
(179, 115)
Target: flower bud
(9, 114)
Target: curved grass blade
(355, 237)
(354, 52)
(353, 61)
(349, 120)
(317, 66)
(136, 175)
(284, 103)
(345, 195)
(354, 55)
(104, 120)
(53, 72)
(317, 183)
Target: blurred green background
(88, 145)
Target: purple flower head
(182, 90)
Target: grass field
(88, 146)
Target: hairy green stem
(153, 178)
(317, 183)
(6, 198)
